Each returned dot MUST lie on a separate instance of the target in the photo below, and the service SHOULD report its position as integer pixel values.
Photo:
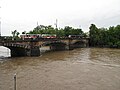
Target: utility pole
(56, 26)
(56, 23)
(37, 23)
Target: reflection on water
(79, 69)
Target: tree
(93, 35)
(24, 32)
(41, 29)
(68, 30)
(105, 37)
(60, 33)
(15, 34)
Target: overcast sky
(23, 15)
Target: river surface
(78, 69)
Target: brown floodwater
(79, 69)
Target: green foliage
(60, 33)
(118, 44)
(24, 32)
(15, 34)
(71, 31)
(105, 37)
(94, 31)
(41, 29)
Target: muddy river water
(78, 69)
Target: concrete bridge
(32, 47)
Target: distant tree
(60, 33)
(41, 29)
(78, 31)
(105, 37)
(68, 30)
(24, 32)
(15, 34)
(93, 35)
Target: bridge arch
(17, 51)
(5, 52)
(79, 44)
(55, 45)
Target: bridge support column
(69, 47)
(18, 52)
(35, 51)
(57, 48)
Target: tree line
(104, 37)
(61, 32)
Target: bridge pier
(57, 47)
(61, 47)
(69, 47)
(19, 52)
(34, 51)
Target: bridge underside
(19, 51)
(57, 46)
(79, 44)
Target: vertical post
(56, 23)
(15, 81)
(37, 24)
(56, 27)
(70, 46)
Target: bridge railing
(10, 39)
